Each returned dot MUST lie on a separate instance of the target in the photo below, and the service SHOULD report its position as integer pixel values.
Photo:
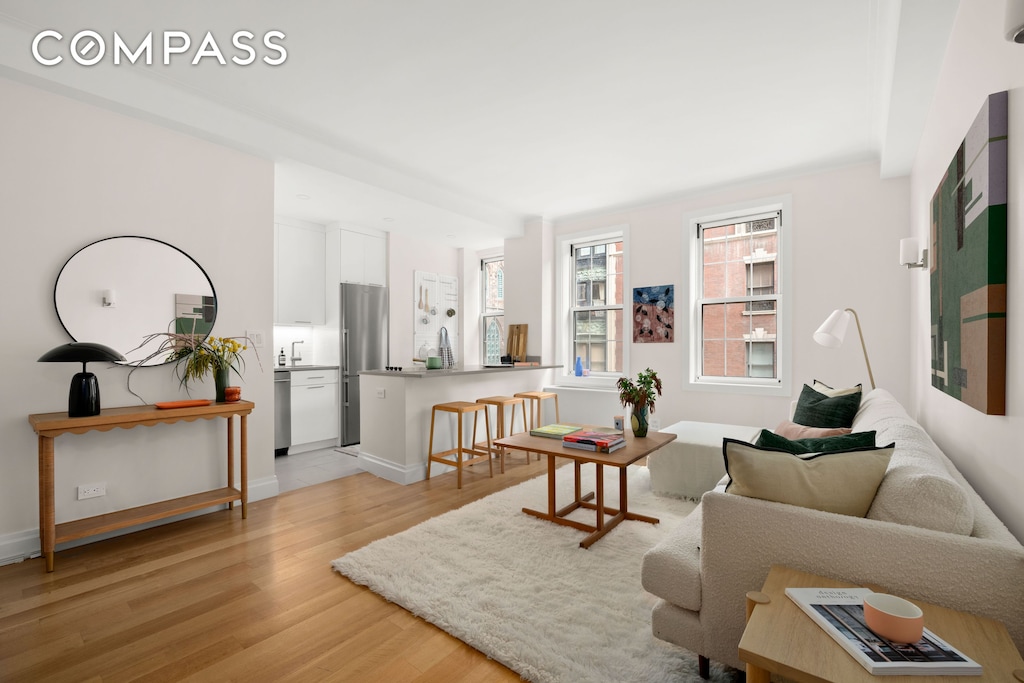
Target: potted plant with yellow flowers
(196, 355)
(641, 396)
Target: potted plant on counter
(640, 396)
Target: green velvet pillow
(825, 444)
(815, 409)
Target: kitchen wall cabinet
(363, 258)
(315, 408)
(300, 276)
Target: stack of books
(591, 440)
(554, 431)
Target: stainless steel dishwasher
(282, 411)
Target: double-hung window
(739, 334)
(493, 307)
(593, 276)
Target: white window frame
(487, 257)
(724, 215)
(565, 296)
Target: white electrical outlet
(380, 392)
(656, 424)
(92, 490)
(255, 338)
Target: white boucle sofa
(928, 535)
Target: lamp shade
(84, 395)
(909, 252)
(833, 330)
(80, 352)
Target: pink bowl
(893, 618)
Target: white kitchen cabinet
(315, 408)
(363, 258)
(300, 271)
(376, 260)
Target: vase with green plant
(196, 355)
(640, 396)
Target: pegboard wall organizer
(436, 305)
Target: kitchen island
(395, 411)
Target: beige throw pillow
(791, 431)
(843, 482)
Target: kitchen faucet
(294, 357)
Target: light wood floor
(216, 598)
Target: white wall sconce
(1015, 21)
(911, 255)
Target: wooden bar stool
(537, 399)
(460, 408)
(502, 402)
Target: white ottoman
(692, 464)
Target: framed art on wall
(653, 314)
(969, 265)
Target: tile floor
(298, 470)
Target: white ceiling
(463, 118)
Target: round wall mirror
(119, 290)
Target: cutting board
(517, 342)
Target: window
(493, 318)
(738, 299)
(593, 276)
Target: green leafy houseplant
(196, 355)
(641, 396)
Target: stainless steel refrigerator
(364, 346)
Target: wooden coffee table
(780, 638)
(635, 449)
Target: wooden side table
(51, 425)
(780, 638)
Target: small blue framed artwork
(654, 314)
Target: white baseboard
(24, 545)
(392, 471)
(313, 446)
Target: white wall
(405, 256)
(978, 62)
(845, 229)
(529, 282)
(71, 173)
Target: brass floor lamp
(833, 330)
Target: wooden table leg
(551, 485)
(599, 484)
(47, 514)
(231, 456)
(577, 490)
(756, 674)
(244, 458)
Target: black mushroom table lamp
(84, 396)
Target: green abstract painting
(968, 265)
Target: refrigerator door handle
(345, 361)
(344, 386)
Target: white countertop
(420, 372)
(290, 368)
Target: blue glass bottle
(579, 367)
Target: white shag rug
(522, 591)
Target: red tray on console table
(166, 405)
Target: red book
(599, 439)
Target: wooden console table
(51, 425)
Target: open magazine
(840, 612)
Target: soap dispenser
(281, 360)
